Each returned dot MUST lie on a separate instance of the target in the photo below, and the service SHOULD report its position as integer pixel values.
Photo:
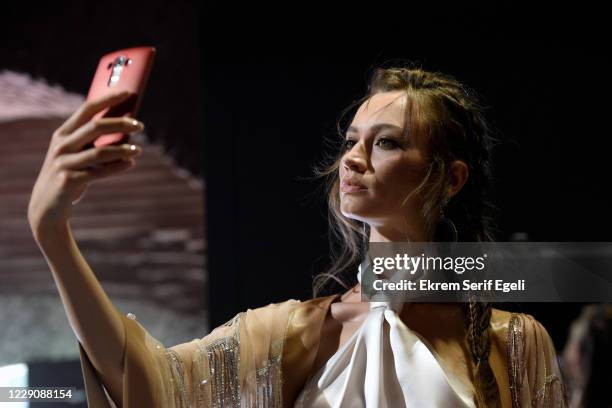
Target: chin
(356, 212)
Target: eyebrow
(375, 128)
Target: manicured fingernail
(137, 124)
(134, 148)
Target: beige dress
(262, 357)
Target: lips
(351, 186)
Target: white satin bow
(383, 364)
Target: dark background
(244, 97)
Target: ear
(459, 175)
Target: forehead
(386, 107)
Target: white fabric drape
(383, 364)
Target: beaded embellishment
(219, 360)
(516, 368)
(181, 400)
(515, 357)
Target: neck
(385, 233)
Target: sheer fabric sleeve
(239, 363)
(150, 373)
(535, 377)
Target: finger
(96, 128)
(98, 155)
(88, 109)
(102, 171)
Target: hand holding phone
(123, 70)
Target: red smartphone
(118, 71)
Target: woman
(417, 153)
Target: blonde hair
(450, 115)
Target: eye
(387, 144)
(348, 144)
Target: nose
(354, 160)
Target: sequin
(515, 351)
(223, 359)
(268, 379)
(218, 385)
(182, 399)
(546, 395)
(131, 316)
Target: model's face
(387, 165)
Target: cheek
(397, 176)
(395, 172)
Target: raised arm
(64, 177)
